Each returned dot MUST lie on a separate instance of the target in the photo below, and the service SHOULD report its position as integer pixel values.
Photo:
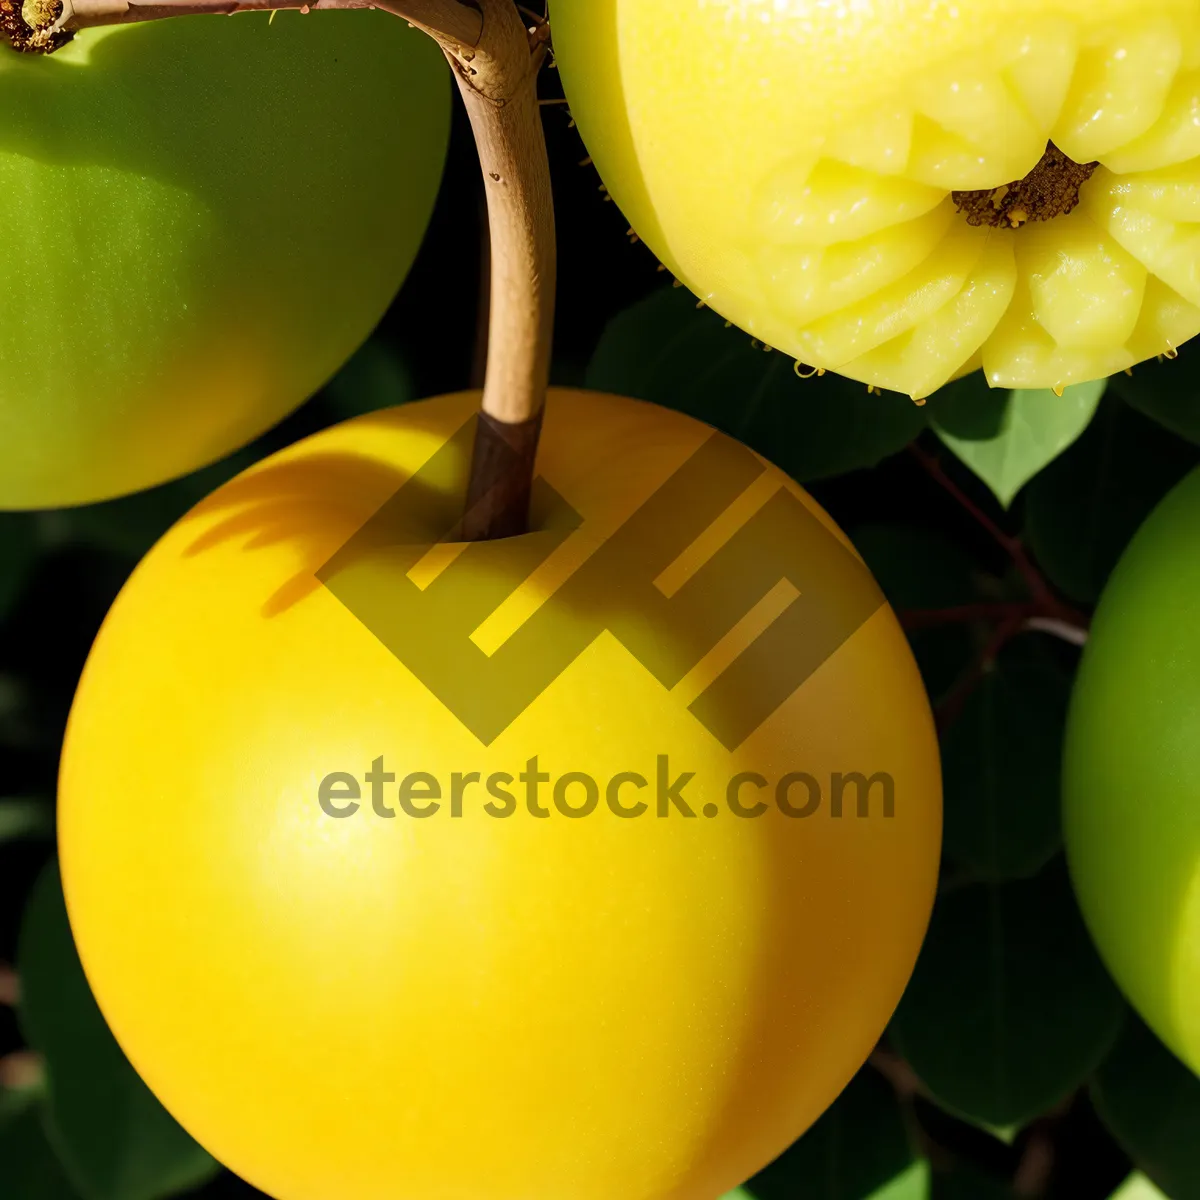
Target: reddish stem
(10, 990)
(930, 618)
(952, 705)
(1011, 545)
(1026, 610)
(1045, 610)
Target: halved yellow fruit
(904, 191)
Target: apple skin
(1132, 773)
(203, 219)
(506, 1009)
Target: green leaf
(1151, 1103)
(19, 725)
(29, 1169)
(665, 350)
(18, 552)
(1007, 1134)
(913, 1184)
(1138, 1187)
(115, 1139)
(1081, 512)
(919, 569)
(964, 1183)
(1167, 391)
(15, 1100)
(916, 568)
(376, 377)
(1009, 1008)
(25, 818)
(1001, 765)
(858, 1150)
(1007, 437)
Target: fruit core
(27, 25)
(1050, 190)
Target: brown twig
(451, 22)
(21, 1069)
(499, 87)
(1036, 1167)
(10, 989)
(904, 1080)
(1035, 1171)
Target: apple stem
(499, 88)
(496, 60)
(501, 480)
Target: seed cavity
(1050, 190)
(28, 25)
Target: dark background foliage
(991, 519)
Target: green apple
(202, 220)
(1132, 774)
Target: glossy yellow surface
(473, 1007)
(792, 162)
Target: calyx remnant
(1050, 190)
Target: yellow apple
(579, 865)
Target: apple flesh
(797, 165)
